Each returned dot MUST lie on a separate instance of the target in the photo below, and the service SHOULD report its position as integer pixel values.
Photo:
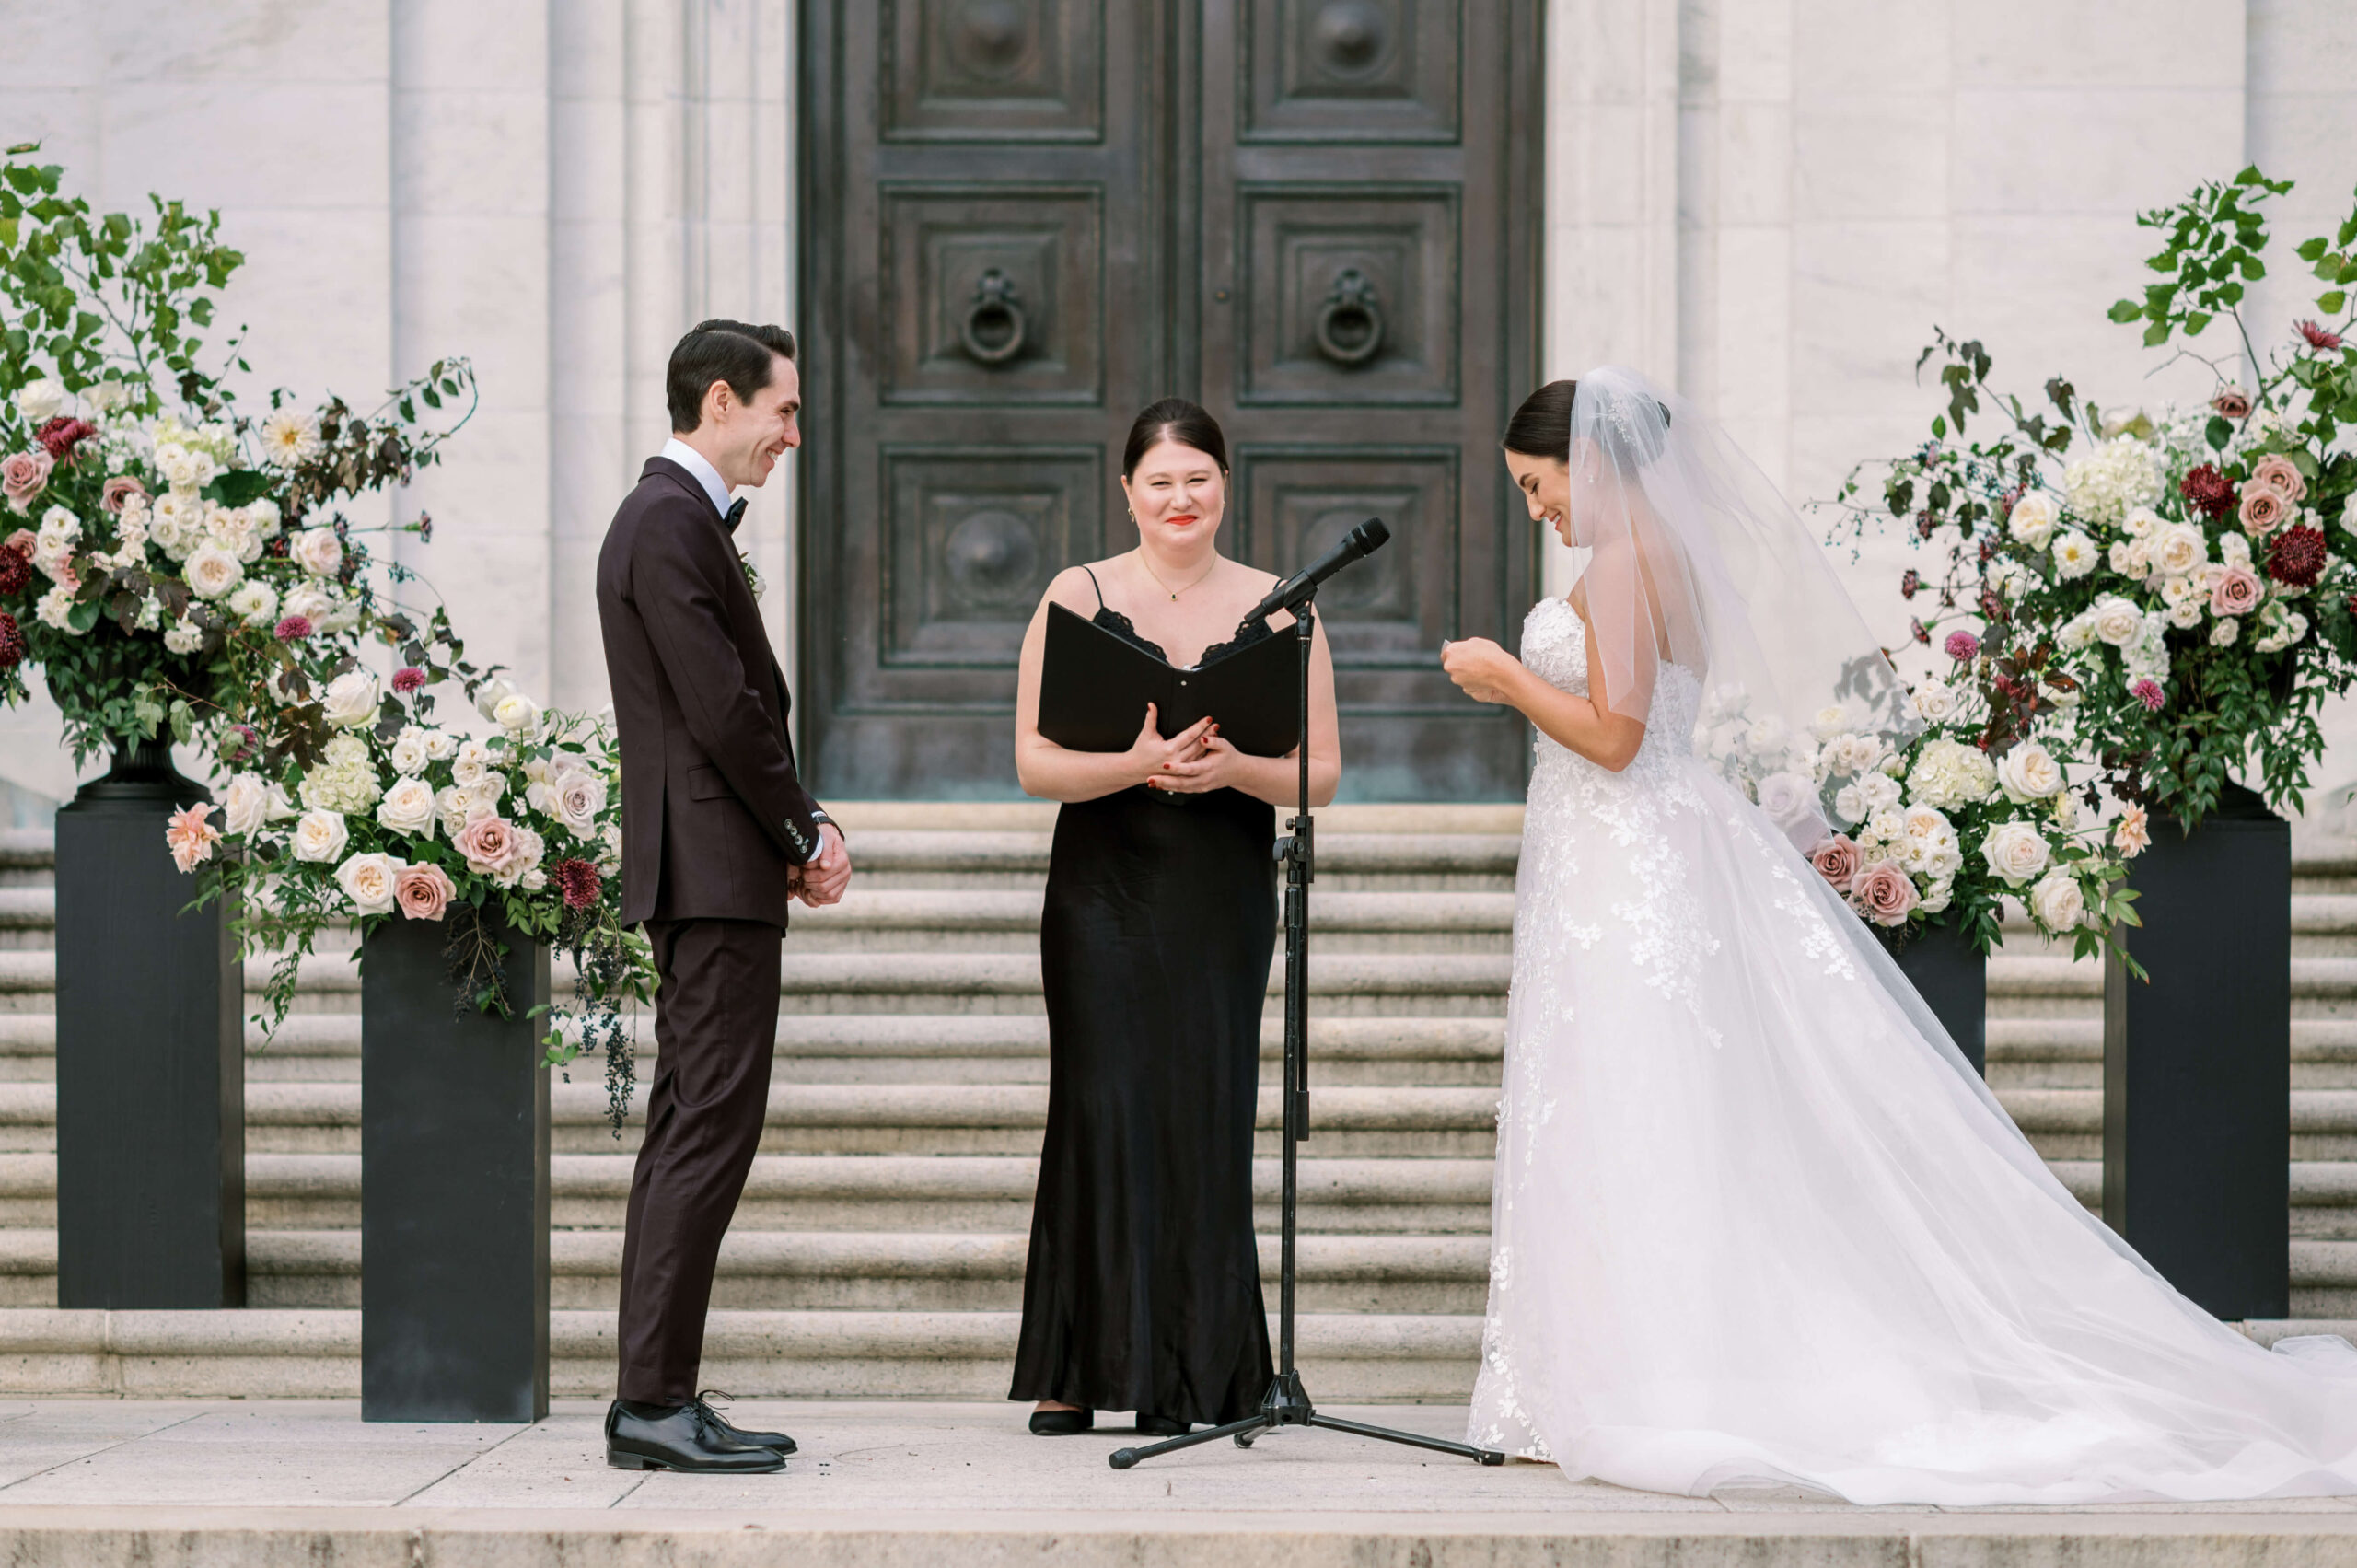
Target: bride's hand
(1480, 668)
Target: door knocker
(1350, 325)
(993, 331)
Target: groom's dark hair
(736, 351)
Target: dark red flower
(2207, 491)
(15, 571)
(12, 642)
(407, 679)
(2296, 558)
(1907, 583)
(1920, 632)
(2149, 693)
(1923, 525)
(293, 628)
(241, 741)
(1963, 646)
(578, 881)
(61, 434)
(2317, 336)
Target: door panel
(1026, 219)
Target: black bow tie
(735, 515)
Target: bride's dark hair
(1190, 425)
(1541, 428)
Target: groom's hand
(823, 879)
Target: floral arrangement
(367, 806)
(165, 547)
(2168, 595)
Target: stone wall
(1770, 202)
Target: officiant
(1143, 1290)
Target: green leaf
(240, 487)
(2309, 249)
(2127, 311)
(2332, 301)
(2196, 320)
(83, 615)
(2218, 431)
(2156, 334)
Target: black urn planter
(454, 1171)
(2196, 1064)
(1952, 977)
(151, 1067)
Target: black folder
(1094, 687)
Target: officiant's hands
(1217, 765)
(1151, 757)
(822, 881)
(1482, 668)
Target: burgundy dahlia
(12, 642)
(2148, 692)
(2296, 558)
(15, 571)
(2207, 491)
(578, 881)
(1963, 646)
(293, 629)
(61, 434)
(407, 679)
(2318, 336)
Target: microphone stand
(1287, 1403)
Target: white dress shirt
(696, 463)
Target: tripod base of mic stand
(1287, 1405)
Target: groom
(719, 836)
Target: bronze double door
(1024, 220)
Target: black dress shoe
(734, 1434)
(1061, 1423)
(683, 1439)
(1160, 1427)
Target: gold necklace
(1166, 588)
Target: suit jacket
(713, 811)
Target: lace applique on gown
(1756, 1222)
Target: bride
(1756, 1221)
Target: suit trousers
(716, 1030)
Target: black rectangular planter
(151, 1066)
(2197, 1065)
(454, 1171)
(1952, 977)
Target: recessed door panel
(954, 69)
(1351, 70)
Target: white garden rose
(254, 602)
(489, 694)
(233, 529)
(441, 745)
(175, 524)
(183, 637)
(2033, 518)
(1767, 737)
(351, 699)
(2059, 902)
(1829, 722)
(2185, 613)
(471, 765)
(2180, 550)
(1938, 896)
(580, 796)
(2029, 771)
(2116, 621)
(212, 572)
(456, 806)
(408, 754)
(245, 804)
(2234, 548)
(318, 552)
(1787, 799)
(40, 401)
(2078, 632)
(2140, 521)
(409, 807)
(1935, 702)
(2130, 558)
(55, 607)
(2075, 554)
(2016, 851)
(517, 714)
(2011, 579)
(321, 835)
(367, 881)
(1860, 801)
(61, 525)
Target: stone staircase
(879, 1248)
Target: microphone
(1363, 540)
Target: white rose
(254, 602)
(1767, 737)
(2187, 613)
(245, 802)
(2059, 902)
(1938, 896)
(183, 637)
(367, 881)
(515, 714)
(489, 694)
(473, 764)
(1788, 799)
(1829, 720)
(2130, 558)
(321, 835)
(350, 700)
(440, 744)
(40, 401)
(212, 572)
(61, 525)
(2180, 550)
(580, 796)
(53, 606)
(2015, 851)
(2234, 548)
(2033, 519)
(318, 552)
(2079, 632)
(2140, 521)
(2075, 554)
(1935, 702)
(2028, 772)
(2116, 621)
(409, 807)
(408, 754)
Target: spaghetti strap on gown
(1142, 1288)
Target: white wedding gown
(1756, 1222)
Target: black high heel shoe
(1061, 1423)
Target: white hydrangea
(2119, 474)
(1948, 774)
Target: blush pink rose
(423, 892)
(1884, 893)
(2237, 591)
(118, 489)
(1837, 860)
(24, 475)
(2277, 472)
(2263, 510)
(489, 843)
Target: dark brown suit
(714, 818)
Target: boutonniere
(753, 578)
